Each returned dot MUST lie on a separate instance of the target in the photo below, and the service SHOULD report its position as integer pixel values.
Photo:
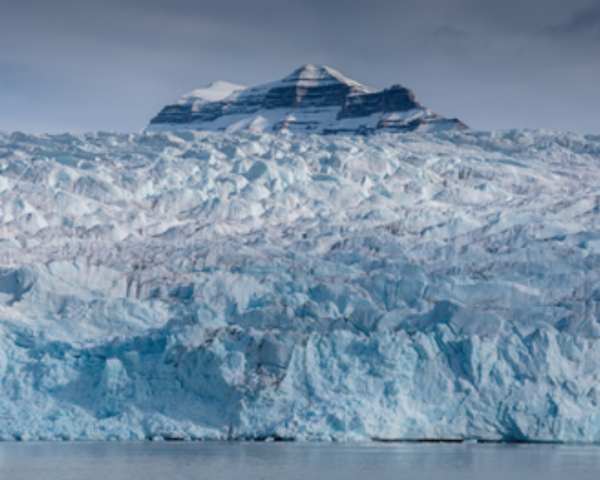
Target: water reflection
(169, 461)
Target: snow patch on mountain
(213, 93)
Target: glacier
(207, 286)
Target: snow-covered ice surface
(245, 286)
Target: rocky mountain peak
(320, 75)
(314, 99)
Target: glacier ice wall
(206, 286)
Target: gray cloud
(449, 39)
(112, 64)
(582, 21)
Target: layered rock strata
(312, 100)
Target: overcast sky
(84, 65)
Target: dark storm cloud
(112, 64)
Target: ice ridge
(210, 286)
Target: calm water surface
(169, 461)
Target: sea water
(220, 460)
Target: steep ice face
(314, 99)
(209, 286)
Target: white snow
(320, 75)
(246, 286)
(215, 92)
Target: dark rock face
(313, 99)
(304, 97)
(177, 114)
(393, 99)
(209, 112)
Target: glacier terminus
(242, 285)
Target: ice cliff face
(313, 99)
(208, 286)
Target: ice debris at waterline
(205, 286)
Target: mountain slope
(313, 99)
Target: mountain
(313, 99)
